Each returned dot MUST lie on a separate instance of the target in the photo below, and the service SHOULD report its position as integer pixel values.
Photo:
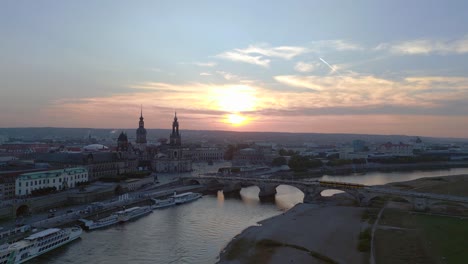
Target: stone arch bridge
(312, 190)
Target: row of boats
(52, 238)
(138, 211)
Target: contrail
(328, 64)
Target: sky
(373, 67)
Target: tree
(279, 161)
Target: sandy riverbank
(307, 233)
(323, 232)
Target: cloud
(228, 76)
(426, 46)
(336, 45)
(205, 64)
(274, 109)
(367, 90)
(240, 57)
(259, 54)
(205, 74)
(305, 67)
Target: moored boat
(103, 222)
(186, 197)
(38, 244)
(163, 203)
(132, 213)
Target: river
(198, 231)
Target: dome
(122, 137)
(95, 147)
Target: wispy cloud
(337, 45)
(259, 54)
(365, 90)
(426, 46)
(241, 57)
(205, 64)
(205, 74)
(305, 67)
(228, 76)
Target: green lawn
(445, 237)
(442, 239)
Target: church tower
(175, 149)
(141, 132)
(175, 139)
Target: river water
(198, 231)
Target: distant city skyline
(366, 67)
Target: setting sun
(236, 119)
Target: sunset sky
(378, 67)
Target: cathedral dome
(122, 137)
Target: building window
(53, 180)
(27, 184)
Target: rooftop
(51, 173)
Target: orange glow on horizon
(235, 119)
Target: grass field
(421, 238)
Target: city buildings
(399, 149)
(26, 183)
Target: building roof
(95, 147)
(51, 173)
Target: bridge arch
(22, 210)
(192, 182)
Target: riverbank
(307, 233)
(329, 233)
(352, 169)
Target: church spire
(175, 135)
(141, 131)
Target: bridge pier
(232, 188)
(267, 190)
(311, 194)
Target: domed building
(95, 147)
(122, 142)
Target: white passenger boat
(38, 244)
(186, 197)
(163, 203)
(103, 222)
(132, 213)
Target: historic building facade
(60, 179)
(171, 158)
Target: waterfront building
(98, 164)
(60, 179)
(206, 154)
(359, 145)
(135, 184)
(254, 155)
(171, 158)
(399, 149)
